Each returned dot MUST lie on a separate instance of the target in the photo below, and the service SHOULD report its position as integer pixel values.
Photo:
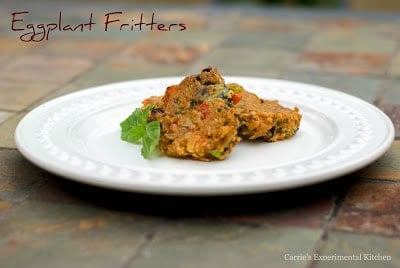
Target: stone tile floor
(46, 221)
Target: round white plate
(77, 136)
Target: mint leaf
(148, 146)
(135, 129)
(135, 134)
(153, 130)
(129, 123)
(151, 138)
(144, 114)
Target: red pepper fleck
(236, 98)
(204, 110)
(171, 89)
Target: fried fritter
(197, 118)
(265, 119)
(204, 118)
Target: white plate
(77, 136)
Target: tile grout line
(8, 62)
(219, 44)
(60, 86)
(299, 53)
(370, 180)
(386, 76)
(7, 149)
(320, 244)
(69, 81)
(139, 248)
(390, 236)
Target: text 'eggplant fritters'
(203, 118)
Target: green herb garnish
(135, 129)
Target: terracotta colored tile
(45, 69)
(14, 46)
(172, 53)
(370, 207)
(83, 49)
(387, 167)
(18, 95)
(4, 205)
(344, 22)
(352, 63)
(187, 38)
(273, 24)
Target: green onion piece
(216, 153)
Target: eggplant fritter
(265, 119)
(204, 118)
(197, 118)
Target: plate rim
(207, 190)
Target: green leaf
(153, 130)
(130, 122)
(135, 129)
(144, 114)
(135, 133)
(151, 138)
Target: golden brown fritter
(204, 118)
(197, 118)
(265, 119)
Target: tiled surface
(366, 88)
(46, 69)
(7, 129)
(18, 95)
(387, 167)
(46, 221)
(63, 235)
(204, 244)
(370, 207)
(395, 66)
(4, 116)
(376, 251)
